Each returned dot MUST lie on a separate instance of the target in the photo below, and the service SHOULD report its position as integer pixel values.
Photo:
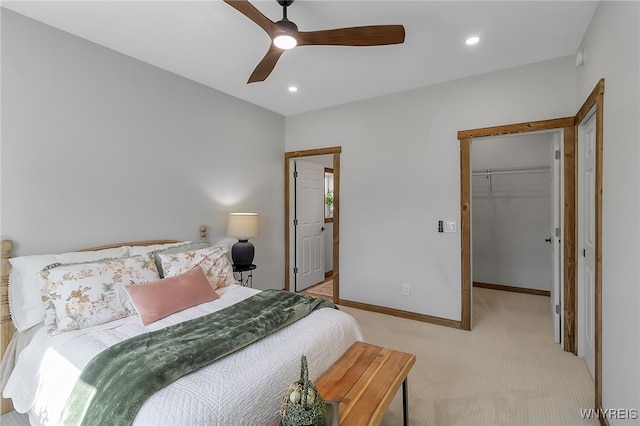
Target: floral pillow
(25, 284)
(212, 260)
(86, 294)
(187, 246)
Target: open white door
(586, 240)
(309, 224)
(556, 241)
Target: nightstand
(248, 281)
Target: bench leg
(405, 402)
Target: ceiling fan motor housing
(285, 3)
(287, 25)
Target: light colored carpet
(507, 371)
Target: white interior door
(556, 244)
(309, 224)
(587, 232)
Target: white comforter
(244, 388)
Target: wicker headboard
(7, 330)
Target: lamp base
(242, 253)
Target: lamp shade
(242, 225)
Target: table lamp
(242, 226)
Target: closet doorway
(325, 159)
(515, 220)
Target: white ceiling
(213, 44)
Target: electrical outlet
(406, 289)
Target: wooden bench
(365, 380)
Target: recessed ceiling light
(293, 89)
(472, 40)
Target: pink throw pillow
(158, 299)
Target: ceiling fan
(285, 35)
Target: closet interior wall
(511, 210)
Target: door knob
(322, 229)
(548, 240)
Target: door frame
(335, 151)
(567, 126)
(570, 248)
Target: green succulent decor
(302, 405)
(328, 198)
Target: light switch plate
(449, 226)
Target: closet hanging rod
(510, 170)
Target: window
(328, 194)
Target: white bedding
(244, 388)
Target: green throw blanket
(115, 384)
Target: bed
(43, 363)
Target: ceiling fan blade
(250, 11)
(373, 35)
(266, 65)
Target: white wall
(612, 45)
(511, 213)
(98, 147)
(400, 174)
